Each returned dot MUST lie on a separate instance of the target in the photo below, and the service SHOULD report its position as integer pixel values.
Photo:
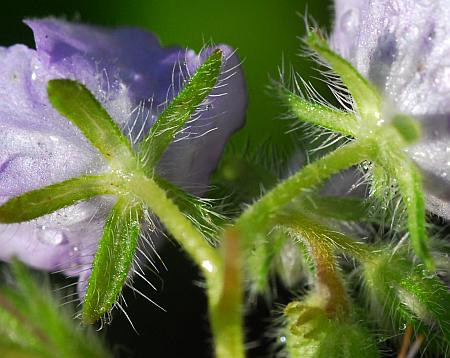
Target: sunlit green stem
(222, 276)
(192, 241)
(226, 315)
(258, 215)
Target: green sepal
(113, 259)
(199, 212)
(178, 112)
(365, 95)
(75, 102)
(409, 181)
(39, 202)
(342, 122)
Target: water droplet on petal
(414, 32)
(50, 236)
(350, 21)
(441, 79)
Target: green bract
(135, 188)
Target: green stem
(222, 275)
(226, 315)
(257, 216)
(192, 241)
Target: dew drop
(50, 237)
(412, 33)
(350, 21)
(74, 251)
(441, 79)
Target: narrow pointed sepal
(47, 200)
(342, 122)
(113, 260)
(181, 109)
(365, 95)
(75, 102)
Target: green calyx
(384, 138)
(132, 181)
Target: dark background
(263, 32)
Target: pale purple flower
(403, 47)
(131, 75)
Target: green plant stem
(192, 241)
(226, 315)
(257, 215)
(222, 275)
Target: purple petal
(403, 47)
(133, 55)
(123, 68)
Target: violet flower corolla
(133, 78)
(403, 47)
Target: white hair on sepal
(199, 124)
(327, 75)
(314, 140)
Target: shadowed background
(263, 32)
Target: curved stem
(317, 239)
(222, 274)
(257, 215)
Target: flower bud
(312, 333)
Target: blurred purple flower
(132, 76)
(403, 47)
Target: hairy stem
(258, 215)
(192, 241)
(222, 275)
(226, 315)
